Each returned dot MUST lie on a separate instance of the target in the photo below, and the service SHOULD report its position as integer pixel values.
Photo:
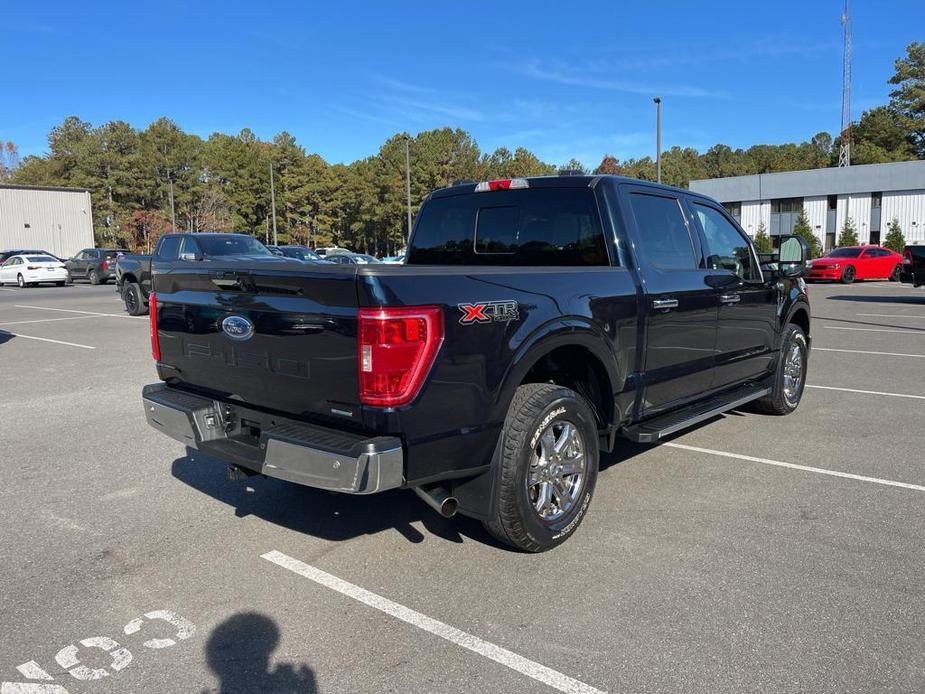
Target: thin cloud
(584, 78)
(399, 85)
(435, 107)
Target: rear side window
(169, 247)
(538, 227)
(663, 235)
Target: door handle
(730, 298)
(664, 304)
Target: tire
(897, 271)
(847, 275)
(94, 277)
(785, 396)
(538, 409)
(20, 282)
(131, 297)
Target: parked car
(297, 252)
(30, 270)
(348, 258)
(4, 255)
(96, 265)
(851, 263)
(535, 321)
(324, 250)
(394, 259)
(133, 272)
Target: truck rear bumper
(275, 446)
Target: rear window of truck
(541, 227)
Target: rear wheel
(847, 275)
(20, 281)
(94, 277)
(790, 377)
(548, 458)
(897, 271)
(131, 297)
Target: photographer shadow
(238, 652)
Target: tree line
(223, 182)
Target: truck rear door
(681, 307)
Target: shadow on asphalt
(327, 515)
(338, 517)
(877, 299)
(238, 652)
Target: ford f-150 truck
(535, 320)
(133, 272)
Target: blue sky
(562, 79)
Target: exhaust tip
(439, 500)
(448, 507)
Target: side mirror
(792, 255)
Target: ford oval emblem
(238, 328)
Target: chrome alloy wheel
(793, 373)
(557, 470)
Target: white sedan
(29, 270)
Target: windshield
(41, 259)
(844, 253)
(232, 245)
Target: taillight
(396, 348)
(103, 265)
(155, 340)
(502, 184)
(907, 257)
(33, 267)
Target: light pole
(273, 202)
(658, 138)
(408, 184)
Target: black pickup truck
(535, 320)
(133, 272)
(913, 267)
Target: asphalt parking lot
(750, 554)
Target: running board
(653, 430)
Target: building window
(734, 209)
(833, 202)
(784, 215)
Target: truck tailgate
(280, 336)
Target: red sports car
(857, 263)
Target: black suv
(97, 265)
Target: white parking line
(890, 315)
(875, 330)
(868, 392)
(87, 313)
(861, 351)
(45, 339)
(46, 320)
(794, 466)
(530, 668)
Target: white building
(57, 220)
(871, 194)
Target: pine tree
(762, 240)
(849, 234)
(895, 240)
(802, 228)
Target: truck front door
(746, 328)
(681, 307)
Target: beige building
(57, 220)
